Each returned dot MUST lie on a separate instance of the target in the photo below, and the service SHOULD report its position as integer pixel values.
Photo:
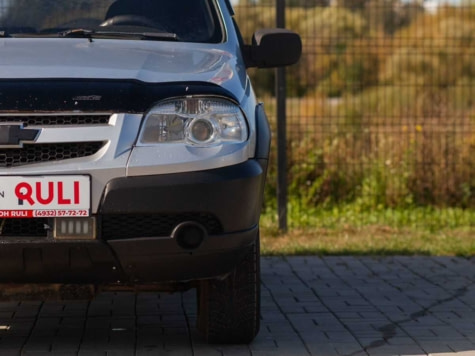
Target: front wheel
(229, 308)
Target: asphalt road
(310, 306)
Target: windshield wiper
(90, 34)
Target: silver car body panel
(144, 61)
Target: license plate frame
(45, 196)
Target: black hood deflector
(103, 95)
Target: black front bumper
(232, 194)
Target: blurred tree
(50, 13)
(350, 4)
(335, 60)
(436, 50)
(391, 15)
(288, 3)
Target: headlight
(197, 121)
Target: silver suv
(133, 151)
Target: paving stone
(390, 350)
(330, 306)
(461, 345)
(465, 353)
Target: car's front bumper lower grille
(37, 227)
(124, 226)
(117, 226)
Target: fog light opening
(189, 235)
(74, 228)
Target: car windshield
(183, 20)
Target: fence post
(281, 130)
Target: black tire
(229, 308)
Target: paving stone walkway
(327, 306)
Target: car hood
(146, 61)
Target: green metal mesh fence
(380, 111)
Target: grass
(448, 232)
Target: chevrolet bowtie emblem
(14, 135)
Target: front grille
(123, 226)
(57, 120)
(35, 153)
(23, 227)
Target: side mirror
(273, 48)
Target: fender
(263, 133)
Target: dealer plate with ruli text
(45, 196)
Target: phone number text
(60, 213)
